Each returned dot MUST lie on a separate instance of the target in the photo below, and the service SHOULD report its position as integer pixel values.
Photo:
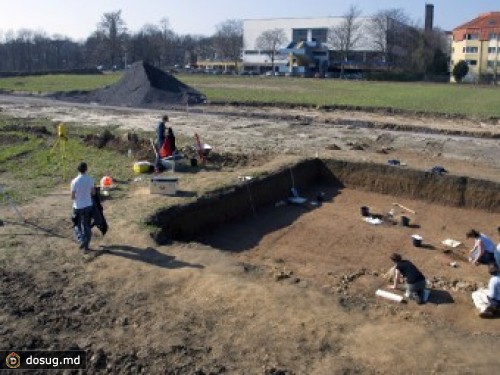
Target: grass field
(31, 166)
(428, 97)
(58, 82)
(478, 101)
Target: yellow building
(478, 43)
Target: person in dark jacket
(171, 139)
(98, 218)
(415, 280)
(160, 131)
(160, 140)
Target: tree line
(111, 45)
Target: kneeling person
(487, 301)
(415, 280)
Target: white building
(298, 30)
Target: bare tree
(229, 40)
(346, 35)
(113, 28)
(435, 52)
(389, 30)
(95, 48)
(168, 37)
(147, 44)
(269, 41)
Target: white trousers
(480, 299)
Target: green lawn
(58, 82)
(477, 101)
(30, 165)
(443, 98)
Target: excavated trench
(186, 222)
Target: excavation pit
(256, 198)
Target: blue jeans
(416, 290)
(486, 258)
(496, 255)
(83, 232)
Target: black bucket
(365, 211)
(405, 221)
(417, 241)
(194, 162)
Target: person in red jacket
(168, 146)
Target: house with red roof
(478, 43)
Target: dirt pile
(233, 160)
(145, 86)
(140, 148)
(31, 129)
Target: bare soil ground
(290, 291)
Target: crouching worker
(487, 301)
(483, 250)
(415, 280)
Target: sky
(78, 19)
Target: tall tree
(389, 31)
(429, 50)
(95, 48)
(460, 71)
(345, 36)
(229, 40)
(114, 29)
(167, 46)
(269, 42)
(147, 45)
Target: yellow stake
(61, 140)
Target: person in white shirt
(487, 301)
(82, 189)
(483, 250)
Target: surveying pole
(60, 145)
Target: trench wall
(185, 222)
(446, 190)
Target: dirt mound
(145, 86)
(232, 160)
(139, 147)
(32, 129)
(12, 139)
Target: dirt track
(214, 306)
(359, 136)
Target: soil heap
(145, 86)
